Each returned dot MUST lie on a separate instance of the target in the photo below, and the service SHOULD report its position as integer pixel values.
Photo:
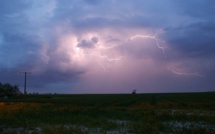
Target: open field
(109, 113)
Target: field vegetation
(109, 113)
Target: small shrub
(134, 91)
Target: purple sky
(108, 46)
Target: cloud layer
(97, 46)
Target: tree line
(8, 90)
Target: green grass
(139, 113)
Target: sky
(108, 46)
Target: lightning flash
(96, 51)
(187, 74)
(99, 52)
(151, 37)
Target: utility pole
(25, 92)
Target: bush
(9, 90)
(134, 91)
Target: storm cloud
(97, 46)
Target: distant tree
(134, 91)
(9, 90)
(2, 91)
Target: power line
(25, 92)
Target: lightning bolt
(103, 47)
(132, 38)
(187, 74)
(103, 67)
(163, 49)
(151, 37)
(99, 46)
(103, 56)
(111, 59)
(88, 54)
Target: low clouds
(88, 46)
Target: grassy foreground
(109, 113)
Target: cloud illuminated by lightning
(96, 51)
(104, 55)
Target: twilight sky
(108, 46)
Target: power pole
(25, 92)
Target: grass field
(109, 113)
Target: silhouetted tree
(134, 91)
(2, 91)
(9, 90)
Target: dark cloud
(198, 9)
(193, 40)
(12, 7)
(17, 48)
(47, 73)
(195, 37)
(88, 43)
